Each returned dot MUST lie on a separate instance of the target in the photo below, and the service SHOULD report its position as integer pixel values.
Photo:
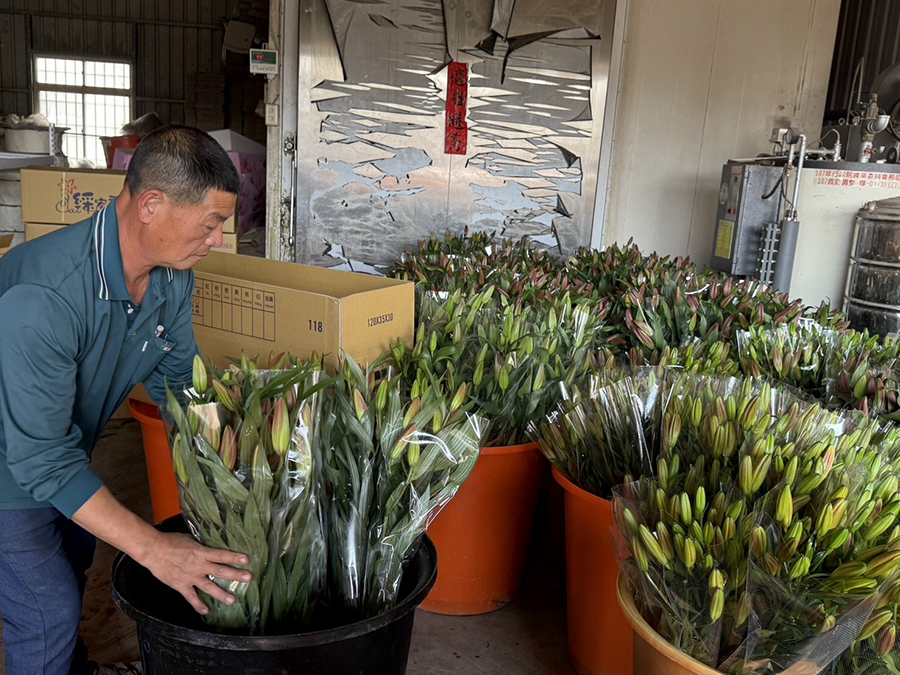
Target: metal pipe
(820, 152)
(862, 74)
(797, 177)
(856, 73)
(874, 263)
(787, 247)
(761, 158)
(868, 303)
(789, 156)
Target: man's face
(181, 236)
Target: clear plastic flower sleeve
(243, 457)
(391, 463)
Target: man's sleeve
(39, 340)
(176, 367)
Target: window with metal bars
(92, 98)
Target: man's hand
(181, 563)
(175, 559)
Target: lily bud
(402, 442)
(211, 433)
(290, 397)
(412, 411)
(539, 379)
(877, 620)
(413, 454)
(503, 378)
(437, 423)
(200, 381)
(784, 511)
(382, 396)
(758, 541)
(887, 638)
(178, 461)
(193, 421)
(359, 404)
(459, 398)
(228, 451)
(281, 431)
(224, 396)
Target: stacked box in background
(53, 198)
(6, 243)
(11, 220)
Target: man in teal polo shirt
(86, 314)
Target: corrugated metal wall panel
(14, 93)
(867, 29)
(185, 37)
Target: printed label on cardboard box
(265, 307)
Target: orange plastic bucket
(160, 472)
(600, 639)
(482, 534)
(556, 507)
(653, 654)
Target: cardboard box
(229, 244)
(264, 306)
(64, 196)
(35, 230)
(6, 241)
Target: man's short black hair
(182, 162)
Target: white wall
(705, 81)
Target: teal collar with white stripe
(108, 258)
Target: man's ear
(149, 204)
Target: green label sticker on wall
(723, 239)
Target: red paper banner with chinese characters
(456, 137)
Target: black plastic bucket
(174, 641)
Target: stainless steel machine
(749, 199)
(757, 225)
(758, 230)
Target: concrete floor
(526, 638)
